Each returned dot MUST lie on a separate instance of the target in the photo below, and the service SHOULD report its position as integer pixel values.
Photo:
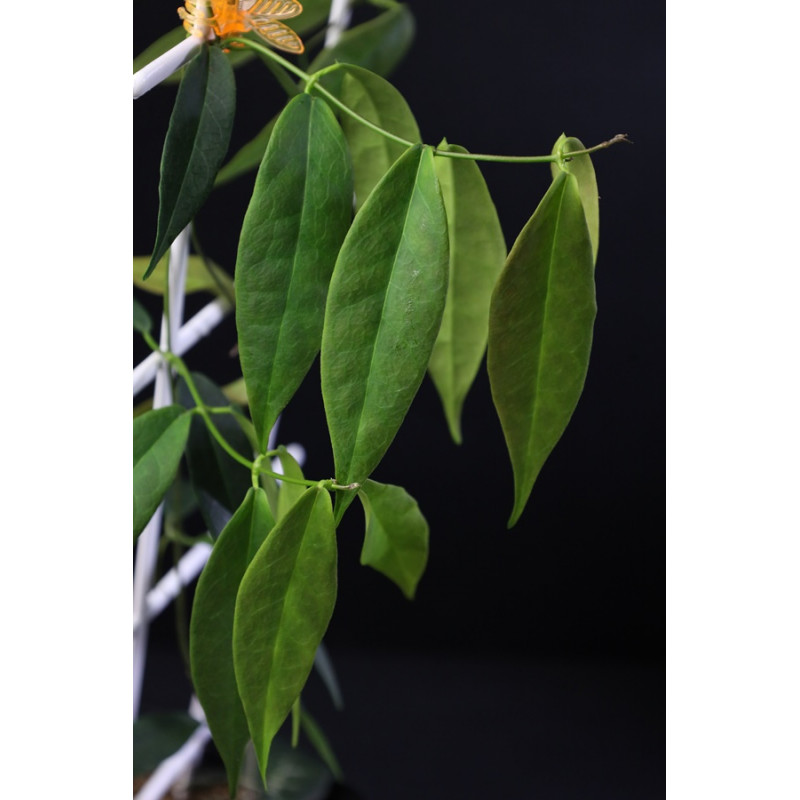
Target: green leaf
(218, 481)
(159, 438)
(297, 218)
(248, 157)
(197, 140)
(158, 736)
(211, 629)
(384, 309)
(540, 332)
(581, 167)
(378, 101)
(477, 254)
(378, 45)
(283, 608)
(141, 319)
(289, 493)
(200, 277)
(396, 537)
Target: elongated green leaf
(540, 332)
(297, 218)
(211, 629)
(248, 157)
(141, 319)
(581, 167)
(378, 45)
(219, 482)
(384, 309)
(283, 608)
(396, 537)
(289, 493)
(197, 140)
(199, 277)
(378, 101)
(159, 438)
(477, 254)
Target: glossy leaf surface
(220, 483)
(396, 536)
(377, 45)
(540, 332)
(378, 101)
(211, 628)
(583, 170)
(384, 308)
(295, 223)
(159, 438)
(283, 608)
(199, 277)
(195, 145)
(477, 254)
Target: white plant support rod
(338, 20)
(147, 546)
(161, 68)
(168, 588)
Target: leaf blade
(297, 218)
(477, 255)
(583, 170)
(540, 332)
(159, 438)
(396, 535)
(211, 629)
(383, 313)
(196, 142)
(283, 608)
(375, 99)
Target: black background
(530, 664)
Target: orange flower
(235, 17)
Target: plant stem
(312, 83)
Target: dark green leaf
(540, 332)
(293, 775)
(378, 45)
(289, 493)
(384, 309)
(284, 605)
(297, 218)
(159, 438)
(477, 253)
(141, 319)
(158, 736)
(396, 537)
(199, 277)
(196, 142)
(378, 101)
(581, 167)
(211, 629)
(219, 482)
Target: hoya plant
(367, 251)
